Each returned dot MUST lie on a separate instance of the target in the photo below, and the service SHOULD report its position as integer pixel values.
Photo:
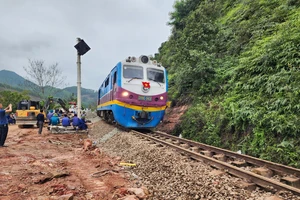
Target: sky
(47, 30)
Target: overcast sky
(47, 30)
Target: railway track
(268, 175)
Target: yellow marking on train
(126, 105)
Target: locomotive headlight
(144, 59)
(161, 98)
(125, 94)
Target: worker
(40, 121)
(4, 123)
(13, 118)
(65, 121)
(49, 115)
(82, 124)
(75, 120)
(9, 119)
(54, 119)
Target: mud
(56, 166)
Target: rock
(129, 197)
(96, 152)
(60, 174)
(45, 178)
(71, 187)
(146, 191)
(89, 195)
(64, 197)
(118, 158)
(87, 143)
(139, 192)
(21, 187)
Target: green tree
(7, 97)
(237, 64)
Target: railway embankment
(171, 175)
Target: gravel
(169, 175)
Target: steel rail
(257, 179)
(252, 160)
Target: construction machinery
(51, 100)
(27, 110)
(26, 113)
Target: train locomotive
(134, 94)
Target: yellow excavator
(27, 110)
(26, 113)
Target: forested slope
(237, 62)
(11, 81)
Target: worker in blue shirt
(65, 121)
(54, 119)
(75, 120)
(4, 123)
(49, 115)
(82, 124)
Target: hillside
(236, 64)
(12, 81)
(11, 78)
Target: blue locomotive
(134, 94)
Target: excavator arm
(57, 100)
(62, 104)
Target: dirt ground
(56, 166)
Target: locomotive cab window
(115, 78)
(106, 82)
(156, 75)
(133, 72)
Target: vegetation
(10, 81)
(237, 63)
(7, 97)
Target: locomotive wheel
(98, 113)
(111, 118)
(105, 117)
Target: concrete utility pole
(78, 82)
(82, 48)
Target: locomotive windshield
(133, 72)
(156, 75)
